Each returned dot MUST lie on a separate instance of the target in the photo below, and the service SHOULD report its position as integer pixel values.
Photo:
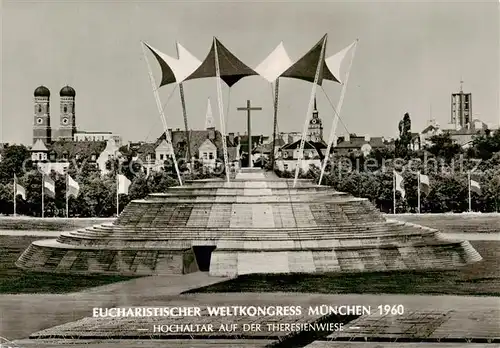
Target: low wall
(461, 223)
(48, 224)
(467, 222)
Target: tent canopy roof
(231, 68)
(305, 67)
(277, 64)
(175, 69)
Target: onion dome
(42, 91)
(67, 91)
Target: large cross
(249, 109)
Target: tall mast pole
(160, 110)
(221, 109)
(309, 110)
(333, 130)
(184, 113)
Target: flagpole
(43, 200)
(470, 201)
(309, 110)
(15, 193)
(67, 199)
(333, 130)
(394, 192)
(162, 114)
(275, 121)
(418, 190)
(117, 195)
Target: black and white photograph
(250, 174)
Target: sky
(411, 56)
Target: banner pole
(117, 195)
(67, 198)
(162, 114)
(470, 200)
(15, 194)
(43, 195)
(309, 111)
(418, 192)
(394, 192)
(333, 130)
(221, 111)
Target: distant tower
(67, 126)
(461, 108)
(315, 130)
(41, 121)
(209, 119)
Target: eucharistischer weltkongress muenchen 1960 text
(249, 311)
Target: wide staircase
(254, 218)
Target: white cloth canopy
(175, 69)
(334, 62)
(275, 64)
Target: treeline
(372, 176)
(446, 163)
(97, 195)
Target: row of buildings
(53, 148)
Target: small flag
(49, 186)
(474, 184)
(73, 188)
(123, 184)
(425, 185)
(19, 189)
(399, 184)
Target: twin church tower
(42, 129)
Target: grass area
(478, 223)
(48, 224)
(481, 278)
(16, 281)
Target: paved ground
(147, 344)
(33, 312)
(54, 234)
(322, 344)
(231, 344)
(469, 308)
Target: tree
(6, 196)
(449, 193)
(485, 146)
(16, 160)
(443, 147)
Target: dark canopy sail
(167, 75)
(231, 68)
(305, 67)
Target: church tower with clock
(67, 126)
(41, 123)
(315, 130)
